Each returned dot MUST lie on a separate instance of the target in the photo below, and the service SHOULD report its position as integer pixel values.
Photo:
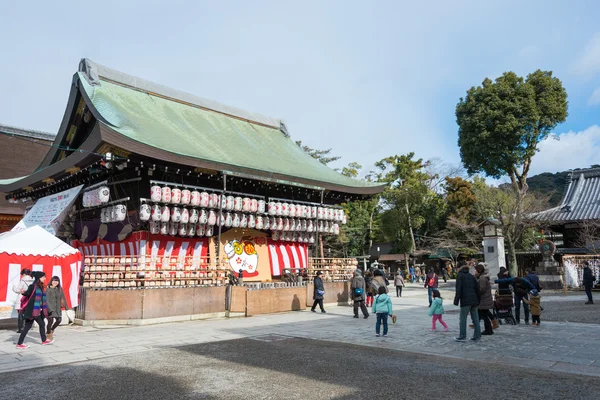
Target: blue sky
(368, 79)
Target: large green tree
(501, 124)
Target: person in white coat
(19, 289)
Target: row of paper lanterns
(165, 214)
(190, 230)
(115, 213)
(96, 197)
(196, 198)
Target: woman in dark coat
(588, 282)
(318, 293)
(36, 308)
(56, 301)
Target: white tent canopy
(34, 241)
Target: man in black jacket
(588, 281)
(467, 295)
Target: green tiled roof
(189, 130)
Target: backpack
(431, 281)
(358, 291)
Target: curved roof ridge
(94, 72)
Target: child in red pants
(436, 311)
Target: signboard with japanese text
(49, 212)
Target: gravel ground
(290, 368)
(570, 311)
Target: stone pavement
(563, 347)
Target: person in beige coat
(486, 302)
(399, 283)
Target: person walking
(379, 281)
(318, 292)
(411, 271)
(418, 273)
(19, 289)
(370, 293)
(56, 301)
(399, 283)
(588, 282)
(486, 302)
(35, 308)
(437, 310)
(382, 307)
(357, 290)
(467, 296)
(431, 283)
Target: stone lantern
(493, 245)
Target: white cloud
(589, 62)
(573, 150)
(594, 99)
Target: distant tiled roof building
(581, 201)
(22, 152)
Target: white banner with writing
(49, 212)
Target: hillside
(551, 184)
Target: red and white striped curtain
(287, 255)
(67, 268)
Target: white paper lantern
(244, 221)
(154, 227)
(236, 220)
(254, 205)
(164, 228)
(292, 211)
(145, 212)
(230, 203)
(165, 214)
(103, 194)
(191, 230)
(185, 216)
(165, 194)
(251, 221)
(155, 193)
(173, 228)
(212, 218)
(320, 212)
(175, 214)
(186, 196)
(272, 208)
(267, 223)
(313, 212)
(246, 204)
(285, 209)
(183, 231)
(237, 204)
(275, 235)
(194, 215)
(228, 220)
(195, 198)
(208, 231)
(260, 222)
(120, 212)
(175, 196)
(203, 217)
(204, 199)
(200, 229)
(261, 207)
(156, 213)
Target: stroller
(503, 307)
